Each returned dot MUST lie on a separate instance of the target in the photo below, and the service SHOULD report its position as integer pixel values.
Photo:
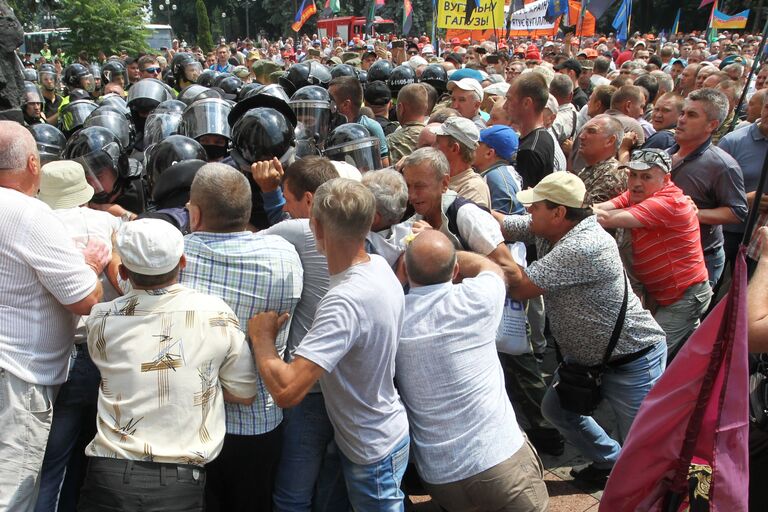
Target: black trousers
(242, 477)
(125, 485)
(758, 468)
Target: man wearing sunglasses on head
(149, 67)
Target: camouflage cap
(347, 56)
(275, 76)
(262, 69)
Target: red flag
(697, 410)
(705, 2)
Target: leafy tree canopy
(104, 25)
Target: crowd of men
(276, 276)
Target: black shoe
(547, 440)
(539, 358)
(591, 475)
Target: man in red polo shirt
(666, 243)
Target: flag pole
(760, 62)
(435, 40)
(580, 24)
(495, 34)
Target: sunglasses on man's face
(413, 52)
(151, 70)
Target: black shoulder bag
(579, 385)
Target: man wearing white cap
(64, 188)
(458, 138)
(466, 96)
(44, 282)
(578, 264)
(167, 354)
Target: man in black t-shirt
(526, 99)
(573, 69)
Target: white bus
(158, 36)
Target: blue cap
(682, 62)
(502, 139)
(466, 73)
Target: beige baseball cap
(563, 188)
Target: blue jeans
(376, 487)
(715, 262)
(309, 476)
(73, 426)
(624, 388)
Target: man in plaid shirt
(252, 273)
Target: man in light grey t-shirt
(350, 348)
(309, 469)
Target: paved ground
(564, 495)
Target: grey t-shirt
(583, 282)
(298, 233)
(354, 339)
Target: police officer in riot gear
(186, 70)
(50, 142)
(32, 104)
(205, 120)
(354, 144)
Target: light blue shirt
(451, 382)
(252, 273)
(376, 131)
(748, 147)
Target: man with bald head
(45, 280)
(427, 137)
(447, 361)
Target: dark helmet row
(213, 116)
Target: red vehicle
(349, 27)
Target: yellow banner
(452, 14)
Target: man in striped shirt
(666, 243)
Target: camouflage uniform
(402, 142)
(723, 130)
(603, 181)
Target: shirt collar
(694, 154)
(428, 289)
(222, 236)
(462, 175)
(158, 291)
(756, 133)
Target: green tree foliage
(104, 25)
(204, 37)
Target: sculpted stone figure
(11, 77)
